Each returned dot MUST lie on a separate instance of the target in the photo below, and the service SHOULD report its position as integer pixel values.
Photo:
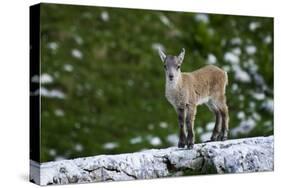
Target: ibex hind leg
(225, 120)
(217, 129)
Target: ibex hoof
(190, 146)
(215, 138)
(181, 145)
(222, 137)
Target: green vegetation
(103, 82)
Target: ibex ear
(162, 55)
(181, 56)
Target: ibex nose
(171, 77)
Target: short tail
(226, 78)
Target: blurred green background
(102, 81)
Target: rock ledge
(232, 156)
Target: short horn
(162, 55)
(181, 56)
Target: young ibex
(187, 90)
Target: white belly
(203, 100)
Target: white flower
(250, 49)
(241, 115)
(68, 67)
(211, 59)
(77, 53)
(173, 139)
(59, 112)
(53, 45)
(254, 25)
(236, 41)
(165, 20)
(202, 18)
(155, 141)
(231, 58)
(110, 145)
(51, 93)
(136, 140)
(105, 16)
(163, 125)
(78, 147)
(46, 78)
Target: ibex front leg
(190, 115)
(182, 136)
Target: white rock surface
(232, 156)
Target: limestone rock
(232, 156)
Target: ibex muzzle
(187, 90)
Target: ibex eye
(178, 67)
(165, 67)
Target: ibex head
(172, 65)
